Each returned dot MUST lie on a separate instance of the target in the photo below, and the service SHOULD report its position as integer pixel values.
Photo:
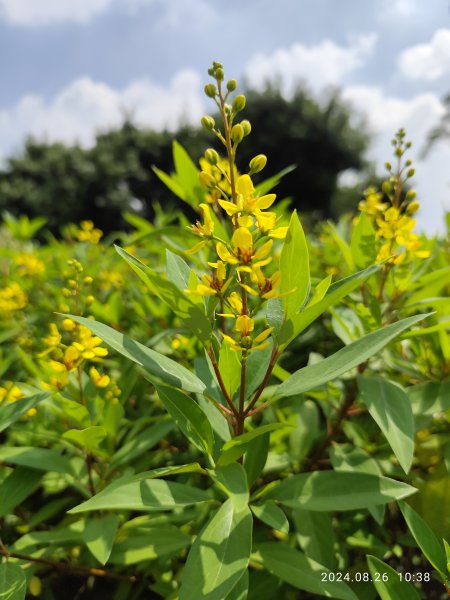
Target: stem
(67, 568)
(224, 390)
(228, 144)
(273, 360)
(242, 414)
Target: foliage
(213, 416)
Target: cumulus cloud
(35, 13)
(322, 64)
(427, 61)
(86, 106)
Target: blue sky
(71, 67)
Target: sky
(71, 68)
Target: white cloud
(34, 13)
(427, 61)
(385, 115)
(319, 65)
(85, 106)
(393, 10)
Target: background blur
(93, 92)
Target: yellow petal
(279, 233)
(197, 247)
(265, 201)
(242, 238)
(245, 221)
(244, 185)
(230, 208)
(264, 250)
(262, 336)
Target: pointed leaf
(237, 446)
(219, 556)
(333, 490)
(189, 417)
(178, 271)
(159, 367)
(300, 571)
(390, 408)
(393, 588)
(88, 439)
(294, 268)
(10, 413)
(17, 486)
(230, 368)
(343, 360)
(232, 479)
(432, 548)
(156, 543)
(36, 458)
(99, 536)
(272, 515)
(363, 244)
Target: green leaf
(10, 413)
(272, 515)
(36, 458)
(146, 495)
(256, 457)
(316, 537)
(300, 571)
(240, 590)
(171, 182)
(159, 367)
(141, 443)
(99, 536)
(232, 479)
(88, 439)
(178, 271)
(17, 486)
(237, 446)
(394, 588)
(275, 315)
(230, 368)
(333, 490)
(189, 417)
(343, 360)
(219, 556)
(390, 408)
(432, 548)
(13, 583)
(362, 244)
(158, 542)
(168, 292)
(294, 268)
(338, 290)
(257, 365)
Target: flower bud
(410, 195)
(413, 207)
(386, 187)
(210, 90)
(206, 179)
(219, 74)
(212, 156)
(231, 85)
(208, 123)
(246, 341)
(246, 126)
(237, 133)
(258, 163)
(388, 166)
(398, 151)
(217, 65)
(239, 103)
(410, 173)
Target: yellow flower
(27, 264)
(220, 173)
(88, 345)
(267, 286)
(243, 251)
(205, 230)
(100, 381)
(68, 325)
(88, 233)
(246, 202)
(12, 298)
(212, 284)
(52, 341)
(10, 393)
(372, 204)
(244, 324)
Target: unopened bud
(208, 123)
(386, 187)
(212, 156)
(237, 133)
(398, 151)
(413, 207)
(210, 90)
(246, 126)
(239, 103)
(219, 74)
(246, 341)
(408, 163)
(258, 163)
(231, 85)
(410, 195)
(388, 166)
(410, 173)
(217, 64)
(206, 179)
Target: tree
(69, 183)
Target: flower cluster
(393, 220)
(232, 200)
(12, 298)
